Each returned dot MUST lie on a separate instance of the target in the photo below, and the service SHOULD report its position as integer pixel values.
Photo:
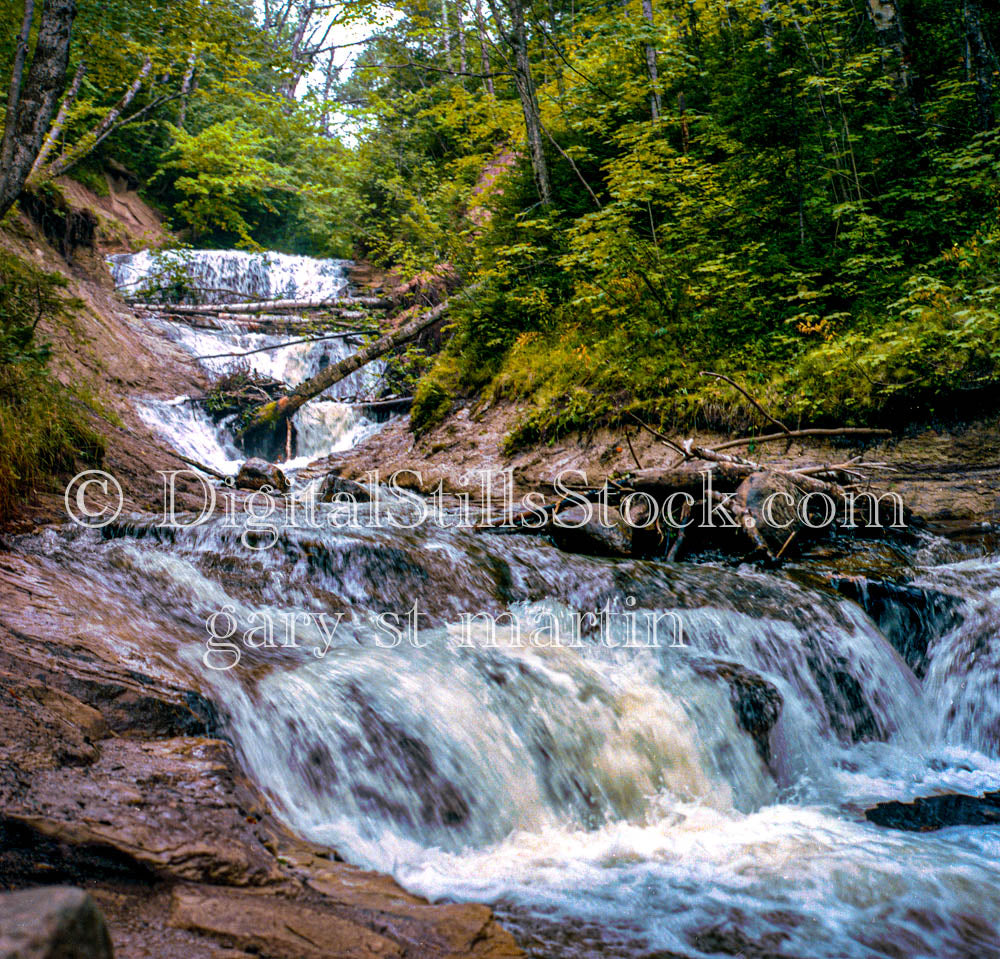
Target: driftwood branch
(281, 346)
(856, 431)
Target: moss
(436, 393)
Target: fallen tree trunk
(856, 431)
(269, 306)
(270, 415)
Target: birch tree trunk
(980, 62)
(76, 153)
(529, 99)
(187, 85)
(889, 30)
(654, 77)
(57, 124)
(271, 415)
(463, 65)
(445, 33)
(484, 58)
(32, 100)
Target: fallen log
(270, 306)
(857, 431)
(270, 415)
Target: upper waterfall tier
(220, 276)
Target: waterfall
(323, 425)
(595, 786)
(190, 431)
(220, 276)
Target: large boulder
(257, 473)
(52, 922)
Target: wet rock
(158, 713)
(910, 617)
(176, 808)
(756, 702)
(466, 930)
(339, 487)
(45, 727)
(851, 716)
(256, 473)
(52, 922)
(729, 939)
(389, 746)
(937, 812)
(594, 532)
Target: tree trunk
(529, 99)
(654, 76)
(980, 61)
(16, 79)
(484, 58)
(32, 103)
(889, 30)
(463, 65)
(53, 135)
(270, 306)
(445, 33)
(187, 85)
(270, 415)
(75, 154)
(767, 18)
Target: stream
(601, 794)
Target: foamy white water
(323, 425)
(220, 276)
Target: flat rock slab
(52, 922)
(451, 930)
(280, 928)
(173, 806)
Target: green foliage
(813, 211)
(43, 429)
(224, 170)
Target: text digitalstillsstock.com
(96, 499)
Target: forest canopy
(803, 196)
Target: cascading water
(216, 276)
(221, 276)
(603, 793)
(612, 796)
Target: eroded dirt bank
(950, 477)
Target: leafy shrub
(44, 430)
